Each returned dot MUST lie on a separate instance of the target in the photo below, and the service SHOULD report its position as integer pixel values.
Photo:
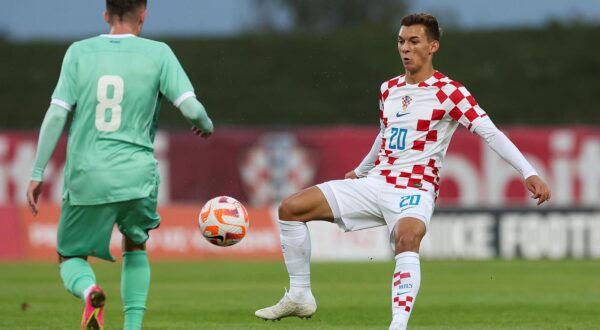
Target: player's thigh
(354, 203)
(413, 205)
(137, 217)
(306, 205)
(85, 230)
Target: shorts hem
(417, 216)
(110, 257)
(331, 199)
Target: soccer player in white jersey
(397, 182)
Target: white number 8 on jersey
(105, 103)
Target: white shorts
(367, 202)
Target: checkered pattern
(404, 302)
(414, 178)
(399, 301)
(398, 276)
(454, 96)
(437, 105)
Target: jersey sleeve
(174, 83)
(382, 96)
(65, 93)
(461, 105)
(504, 147)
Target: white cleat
(287, 307)
(397, 326)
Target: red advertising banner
(453, 234)
(11, 245)
(178, 236)
(260, 166)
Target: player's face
(415, 48)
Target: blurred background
(292, 87)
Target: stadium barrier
(453, 234)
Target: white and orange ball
(223, 221)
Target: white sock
(295, 245)
(86, 292)
(405, 286)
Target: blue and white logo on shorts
(410, 200)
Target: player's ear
(106, 17)
(435, 45)
(143, 16)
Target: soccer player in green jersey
(112, 84)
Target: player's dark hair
(121, 8)
(429, 21)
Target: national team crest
(406, 102)
(277, 166)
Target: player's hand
(201, 133)
(33, 193)
(538, 188)
(351, 175)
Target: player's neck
(419, 76)
(121, 28)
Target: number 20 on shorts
(411, 200)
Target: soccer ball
(223, 221)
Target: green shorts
(86, 230)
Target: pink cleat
(93, 312)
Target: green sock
(135, 282)
(77, 275)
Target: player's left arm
(196, 114)
(502, 145)
(466, 111)
(52, 127)
(176, 86)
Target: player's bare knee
(129, 245)
(407, 241)
(62, 259)
(284, 212)
(289, 210)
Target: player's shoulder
(153, 43)
(79, 45)
(440, 80)
(160, 50)
(75, 49)
(392, 82)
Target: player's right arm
(64, 98)
(371, 158)
(368, 162)
(52, 127)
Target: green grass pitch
(224, 295)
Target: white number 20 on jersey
(113, 103)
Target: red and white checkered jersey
(417, 123)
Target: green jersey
(114, 85)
